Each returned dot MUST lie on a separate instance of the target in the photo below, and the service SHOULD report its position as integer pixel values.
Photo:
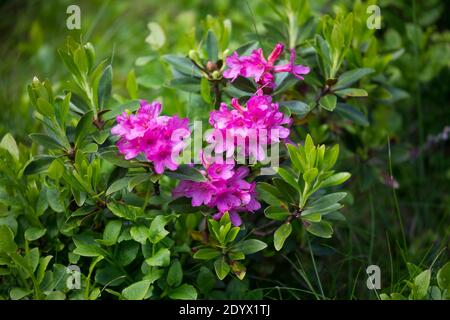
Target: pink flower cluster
(252, 128)
(224, 188)
(256, 66)
(159, 138)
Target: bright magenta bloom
(224, 189)
(159, 138)
(249, 130)
(256, 66)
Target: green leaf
(326, 201)
(136, 180)
(348, 78)
(330, 157)
(250, 246)
(321, 229)
(335, 179)
(136, 291)
(222, 268)
(43, 263)
(183, 65)
(298, 108)
(46, 141)
(184, 292)
(118, 185)
(115, 159)
(421, 284)
(19, 293)
(9, 144)
(139, 233)
(104, 86)
(289, 177)
(328, 102)
(186, 172)
(212, 47)
(56, 295)
(443, 277)
(269, 193)
(7, 243)
(175, 274)
(84, 127)
(111, 232)
(205, 90)
(127, 252)
(88, 250)
(188, 84)
(32, 259)
(351, 92)
(44, 107)
(156, 231)
(281, 234)
(34, 233)
(207, 254)
(127, 212)
(132, 86)
(244, 84)
(276, 213)
(295, 158)
(349, 112)
(160, 259)
(205, 280)
(37, 164)
(310, 175)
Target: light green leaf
(281, 234)
(421, 284)
(184, 292)
(222, 268)
(157, 232)
(443, 277)
(276, 213)
(136, 291)
(7, 243)
(328, 102)
(321, 229)
(348, 78)
(289, 177)
(335, 179)
(160, 259)
(207, 254)
(139, 233)
(250, 246)
(34, 233)
(351, 92)
(9, 144)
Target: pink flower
(249, 130)
(159, 138)
(256, 66)
(224, 189)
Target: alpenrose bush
(108, 191)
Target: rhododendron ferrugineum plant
(128, 165)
